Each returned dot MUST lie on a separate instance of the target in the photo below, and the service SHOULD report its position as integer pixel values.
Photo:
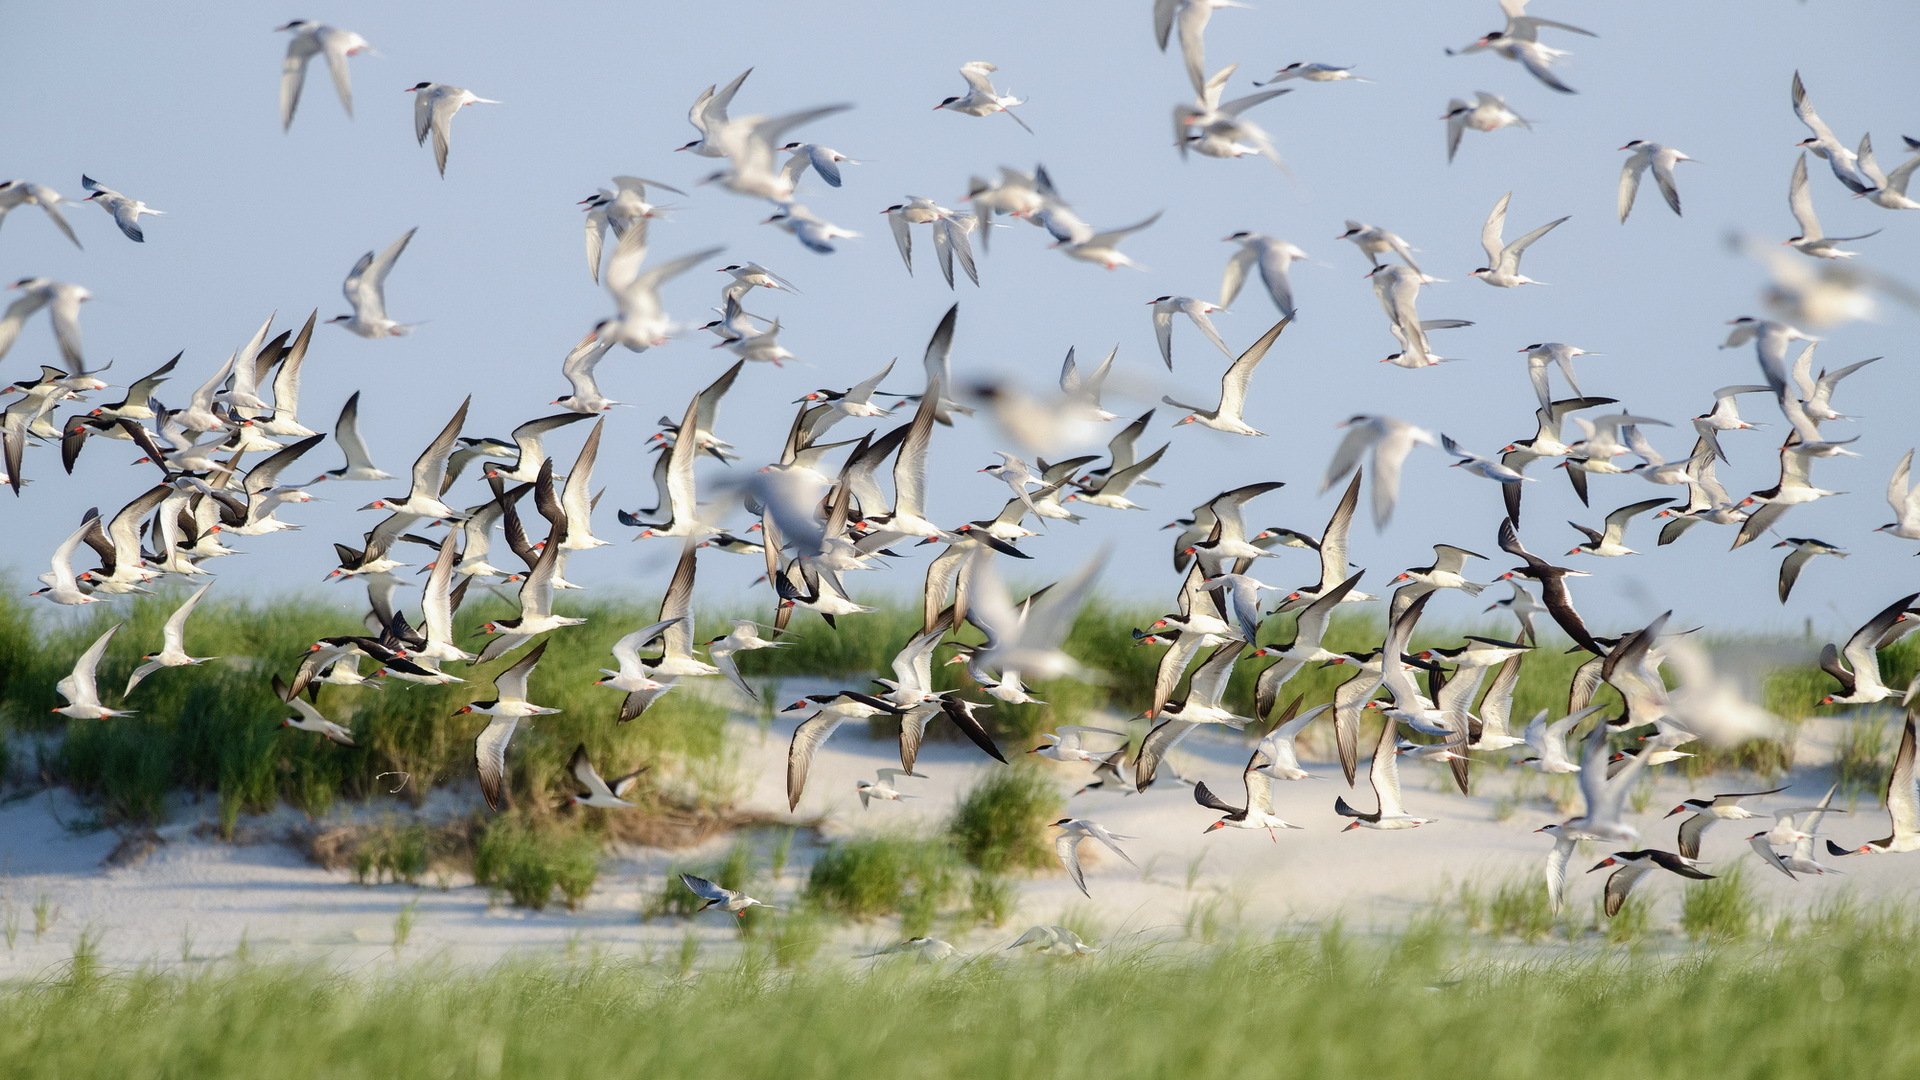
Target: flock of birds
(821, 511)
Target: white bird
(173, 650)
(1257, 811)
(1283, 761)
(82, 692)
(743, 637)
(981, 99)
(1503, 259)
(1823, 144)
(1226, 416)
(126, 212)
(881, 787)
(1067, 846)
(366, 291)
(1384, 775)
(1810, 240)
(312, 39)
(709, 117)
(1902, 800)
(619, 211)
(62, 302)
(731, 901)
(1390, 441)
(16, 193)
(1649, 155)
(814, 233)
(1272, 257)
(1104, 247)
(824, 160)
(1067, 743)
(504, 713)
(1053, 941)
(61, 585)
(1549, 742)
(601, 794)
(1374, 242)
(1889, 189)
(1320, 73)
(1480, 466)
(927, 950)
(1166, 307)
(433, 107)
(1487, 113)
(307, 718)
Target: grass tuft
(528, 861)
(1001, 825)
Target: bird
(1389, 441)
(1053, 941)
(82, 693)
(17, 193)
(927, 950)
(1166, 307)
(1610, 541)
(173, 651)
(433, 107)
(709, 116)
(311, 39)
(1902, 800)
(1226, 416)
(981, 99)
(307, 718)
(1487, 112)
(601, 794)
(1634, 865)
(1707, 811)
(366, 292)
(728, 900)
(504, 713)
(881, 787)
(1823, 144)
(1257, 811)
(1272, 258)
(126, 211)
(1856, 666)
(1804, 549)
(1649, 155)
(1313, 73)
(1503, 259)
(1810, 240)
(1066, 845)
(1384, 774)
(1375, 242)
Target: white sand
(195, 899)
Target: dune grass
(212, 729)
(1819, 1005)
(1001, 825)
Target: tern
(1823, 144)
(126, 212)
(1503, 259)
(1389, 441)
(62, 302)
(16, 193)
(881, 787)
(823, 160)
(1053, 941)
(1889, 190)
(1649, 155)
(1375, 242)
(433, 109)
(366, 291)
(307, 718)
(1067, 846)
(709, 116)
(1272, 258)
(1166, 307)
(1320, 73)
(981, 99)
(312, 39)
(728, 900)
(1487, 113)
(1811, 240)
(1104, 247)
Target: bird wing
(293, 75)
(806, 740)
(1233, 384)
(1800, 200)
(1490, 232)
(1630, 173)
(1235, 275)
(490, 754)
(1067, 847)
(1510, 258)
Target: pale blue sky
(182, 113)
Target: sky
(182, 113)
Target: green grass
(871, 876)
(1514, 908)
(212, 729)
(1140, 1012)
(529, 860)
(1001, 825)
(1723, 909)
